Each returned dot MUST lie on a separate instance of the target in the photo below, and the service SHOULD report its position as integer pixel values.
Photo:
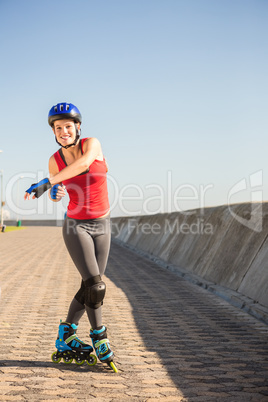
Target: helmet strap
(78, 133)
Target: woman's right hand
(57, 192)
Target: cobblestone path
(173, 341)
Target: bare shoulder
(93, 145)
(52, 165)
(52, 160)
(91, 142)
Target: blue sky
(176, 91)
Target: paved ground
(173, 341)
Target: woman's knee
(95, 290)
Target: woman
(80, 167)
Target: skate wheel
(67, 360)
(113, 366)
(54, 358)
(92, 360)
(79, 362)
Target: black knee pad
(94, 292)
(80, 295)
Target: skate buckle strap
(70, 338)
(97, 344)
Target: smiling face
(65, 131)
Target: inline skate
(70, 347)
(102, 346)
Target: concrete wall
(226, 246)
(32, 222)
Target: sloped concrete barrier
(224, 249)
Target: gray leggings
(88, 243)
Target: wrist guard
(39, 188)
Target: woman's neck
(73, 151)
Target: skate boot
(102, 346)
(70, 347)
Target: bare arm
(92, 149)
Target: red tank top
(88, 191)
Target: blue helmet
(63, 111)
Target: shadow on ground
(98, 368)
(202, 342)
